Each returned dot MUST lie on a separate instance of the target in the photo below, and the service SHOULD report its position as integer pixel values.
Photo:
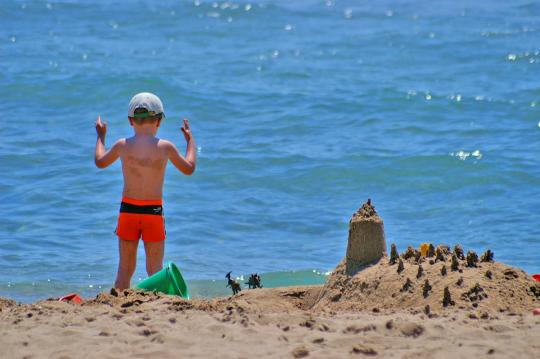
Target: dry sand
(369, 314)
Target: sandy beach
(268, 124)
(369, 314)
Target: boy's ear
(130, 121)
(158, 123)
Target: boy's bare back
(143, 166)
(144, 160)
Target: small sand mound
(367, 211)
(6, 303)
(487, 287)
(133, 298)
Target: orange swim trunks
(141, 218)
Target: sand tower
(366, 239)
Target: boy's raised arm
(104, 158)
(187, 164)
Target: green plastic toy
(169, 280)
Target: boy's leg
(128, 261)
(154, 256)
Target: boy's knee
(153, 266)
(127, 268)
(151, 269)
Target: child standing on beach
(144, 158)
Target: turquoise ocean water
(301, 111)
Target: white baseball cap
(148, 101)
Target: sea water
(302, 110)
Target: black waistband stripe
(150, 209)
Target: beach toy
(169, 280)
(71, 298)
(536, 311)
(424, 248)
(536, 277)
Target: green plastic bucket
(168, 280)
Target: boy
(144, 158)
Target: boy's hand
(186, 130)
(101, 128)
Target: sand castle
(366, 243)
(432, 276)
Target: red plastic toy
(71, 298)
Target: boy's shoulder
(120, 143)
(164, 143)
